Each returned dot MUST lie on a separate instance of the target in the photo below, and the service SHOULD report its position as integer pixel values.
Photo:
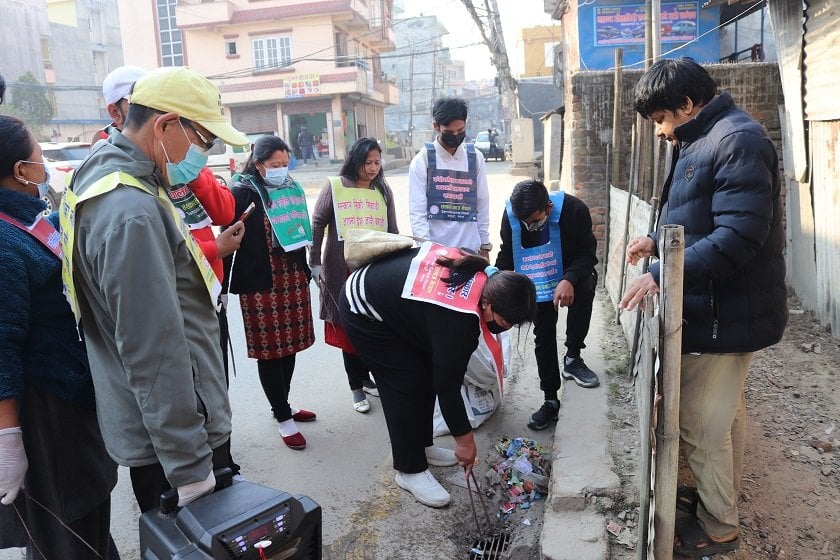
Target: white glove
(194, 490)
(13, 464)
(317, 273)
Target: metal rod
(472, 505)
(481, 499)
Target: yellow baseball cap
(177, 89)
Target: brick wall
(588, 127)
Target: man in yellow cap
(144, 292)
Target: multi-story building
(421, 62)
(539, 44)
(279, 64)
(69, 46)
(83, 47)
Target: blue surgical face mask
(276, 176)
(186, 171)
(44, 186)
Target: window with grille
(272, 52)
(171, 41)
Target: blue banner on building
(620, 23)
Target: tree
(29, 102)
(490, 28)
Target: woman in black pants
(415, 318)
(270, 274)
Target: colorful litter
(522, 474)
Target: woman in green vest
(358, 199)
(270, 274)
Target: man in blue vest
(550, 240)
(448, 198)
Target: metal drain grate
(490, 548)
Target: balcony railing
(345, 61)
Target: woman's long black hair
(264, 148)
(512, 295)
(15, 144)
(357, 158)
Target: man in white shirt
(451, 204)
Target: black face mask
(451, 140)
(495, 327)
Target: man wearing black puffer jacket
(724, 188)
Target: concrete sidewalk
(582, 466)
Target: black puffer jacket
(724, 189)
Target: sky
(515, 15)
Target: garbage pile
(522, 474)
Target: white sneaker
(425, 488)
(362, 406)
(440, 457)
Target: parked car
(61, 159)
(684, 28)
(225, 161)
(494, 149)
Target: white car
(61, 159)
(490, 149)
(225, 160)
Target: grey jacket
(151, 332)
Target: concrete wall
(21, 27)
(589, 115)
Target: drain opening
(490, 548)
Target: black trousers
(276, 380)
(70, 477)
(357, 370)
(404, 377)
(578, 318)
(149, 481)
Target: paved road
(346, 465)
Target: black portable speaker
(242, 521)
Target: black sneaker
(544, 416)
(574, 368)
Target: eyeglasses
(206, 144)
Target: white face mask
(276, 176)
(44, 186)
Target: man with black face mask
(449, 202)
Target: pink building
(280, 64)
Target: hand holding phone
(246, 213)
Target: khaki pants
(713, 430)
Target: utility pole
(411, 97)
(434, 75)
(491, 34)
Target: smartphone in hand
(246, 213)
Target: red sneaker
(303, 416)
(295, 441)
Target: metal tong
(483, 504)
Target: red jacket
(220, 205)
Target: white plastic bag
(483, 386)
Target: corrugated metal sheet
(254, 119)
(825, 162)
(822, 63)
(786, 17)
